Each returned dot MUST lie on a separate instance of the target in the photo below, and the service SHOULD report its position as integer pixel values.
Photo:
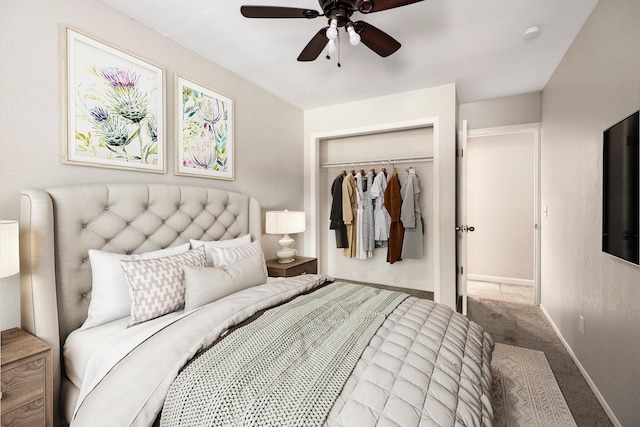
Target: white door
(461, 219)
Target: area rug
(525, 391)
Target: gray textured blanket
(287, 367)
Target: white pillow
(206, 284)
(224, 257)
(110, 299)
(157, 285)
(229, 243)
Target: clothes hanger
(411, 170)
(384, 169)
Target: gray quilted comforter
(425, 366)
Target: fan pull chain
(339, 51)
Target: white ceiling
(478, 45)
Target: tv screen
(621, 190)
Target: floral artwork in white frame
(204, 129)
(115, 107)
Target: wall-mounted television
(621, 190)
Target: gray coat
(411, 219)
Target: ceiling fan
(338, 12)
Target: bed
(408, 361)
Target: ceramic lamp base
(286, 253)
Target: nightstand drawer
(23, 384)
(29, 415)
(27, 393)
(301, 265)
(306, 268)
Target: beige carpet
(525, 391)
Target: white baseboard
(496, 279)
(586, 376)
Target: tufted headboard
(59, 225)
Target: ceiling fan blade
(315, 46)
(277, 12)
(370, 6)
(376, 39)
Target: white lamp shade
(285, 222)
(9, 253)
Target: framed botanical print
(115, 107)
(204, 126)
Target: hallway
(500, 292)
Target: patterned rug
(525, 391)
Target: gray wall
(268, 131)
(514, 110)
(596, 85)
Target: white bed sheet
(86, 350)
(81, 344)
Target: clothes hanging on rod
(393, 203)
(368, 225)
(360, 186)
(335, 217)
(381, 220)
(411, 217)
(375, 210)
(350, 213)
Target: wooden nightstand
(27, 392)
(301, 265)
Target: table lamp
(285, 222)
(9, 254)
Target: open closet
(408, 151)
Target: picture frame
(114, 106)
(204, 127)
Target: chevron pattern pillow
(224, 257)
(157, 285)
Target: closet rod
(417, 159)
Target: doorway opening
(502, 208)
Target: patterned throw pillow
(157, 285)
(110, 297)
(224, 257)
(229, 243)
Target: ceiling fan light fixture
(332, 31)
(354, 37)
(331, 47)
(338, 12)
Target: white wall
(500, 205)
(408, 273)
(438, 102)
(596, 84)
(268, 131)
